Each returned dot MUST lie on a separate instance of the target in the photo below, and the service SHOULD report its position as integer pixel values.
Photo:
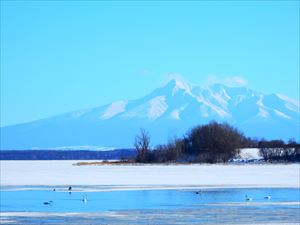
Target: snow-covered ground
(250, 153)
(53, 173)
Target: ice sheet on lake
(62, 173)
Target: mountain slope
(167, 111)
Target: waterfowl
(268, 197)
(84, 199)
(48, 203)
(70, 188)
(248, 198)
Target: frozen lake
(148, 194)
(51, 172)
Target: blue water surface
(63, 201)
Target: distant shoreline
(67, 154)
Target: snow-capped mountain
(166, 112)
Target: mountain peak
(179, 84)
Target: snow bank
(52, 173)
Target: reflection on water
(154, 206)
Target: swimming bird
(70, 188)
(48, 203)
(248, 198)
(198, 192)
(84, 199)
(268, 197)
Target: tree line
(212, 143)
(278, 150)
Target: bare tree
(278, 150)
(142, 146)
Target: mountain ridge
(166, 112)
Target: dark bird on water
(248, 198)
(70, 188)
(48, 203)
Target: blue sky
(62, 56)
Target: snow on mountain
(166, 112)
(90, 148)
(262, 109)
(151, 109)
(291, 104)
(281, 114)
(183, 85)
(114, 109)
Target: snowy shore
(60, 173)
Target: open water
(206, 206)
